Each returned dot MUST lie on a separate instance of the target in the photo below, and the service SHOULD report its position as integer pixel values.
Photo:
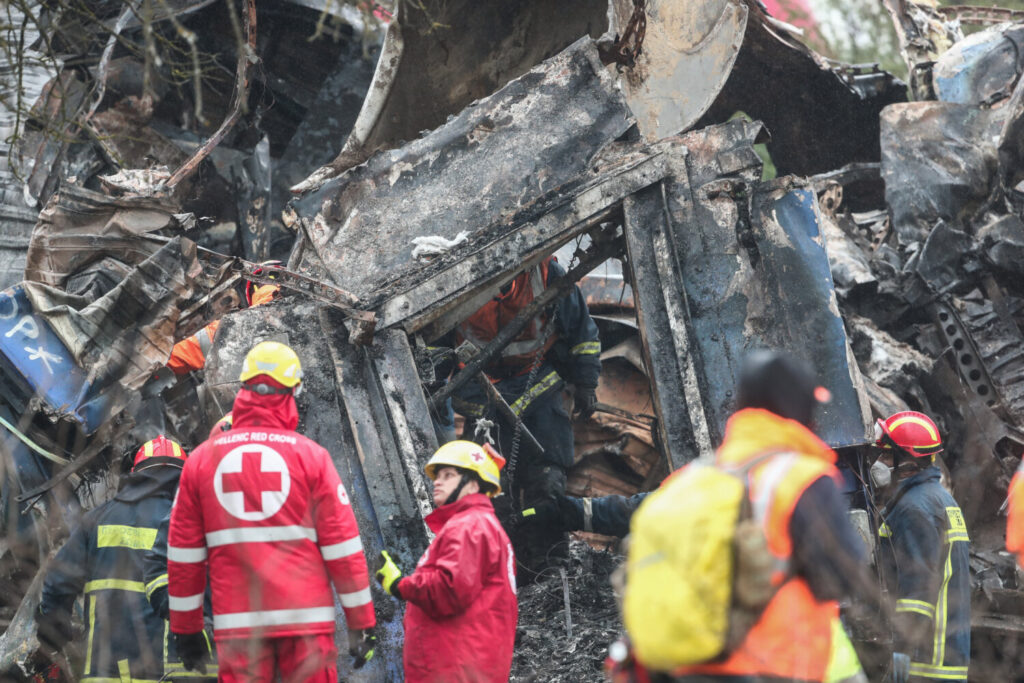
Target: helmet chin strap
(464, 479)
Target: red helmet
(910, 431)
(159, 451)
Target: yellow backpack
(689, 541)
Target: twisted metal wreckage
(888, 251)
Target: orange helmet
(256, 294)
(909, 431)
(159, 451)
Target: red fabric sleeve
(186, 555)
(450, 580)
(338, 537)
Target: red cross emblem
(252, 481)
(477, 456)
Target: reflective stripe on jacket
(925, 556)
(265, 508)
(1015, 516)
(460, 623)
(793, 639)
(103, 558)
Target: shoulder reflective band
(121, 536)
(538, 389)
(948, 673)
(884, 531)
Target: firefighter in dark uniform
(924, 556)
(103, 558)
(155, 576)
(559, 345)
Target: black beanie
(778, 383)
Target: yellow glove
(389, 574)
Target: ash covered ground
(544, 650)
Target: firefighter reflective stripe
(260, 534)
(186, 554)
(947, 673)
(124, 671)
(884, 531)
(115, 585)
(92, 632)
(184, 604)
(957, 532)
(205, 341)
(588, 348)
(277, 617)
(917, 606)
(121, 536)
(343, 549)
(533, 393)
(467, 408)
(158, 582)
(843, 665)
(356, 599)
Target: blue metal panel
(29, 345)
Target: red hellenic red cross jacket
(264, 507)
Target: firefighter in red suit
(264, 508)
(460, 623)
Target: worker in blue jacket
(558, 345)
(103, 558)
(924, 552)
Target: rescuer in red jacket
(460, 624)
(264, 508)
(1015, 516)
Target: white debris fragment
(435, 245)
(139, 181)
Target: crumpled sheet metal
(983, 68)
(128, 332)
(519, 145)
(80, 228)
(756, 275)
(439, 56)
(939, 162)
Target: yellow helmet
(275, 360)
(483, 460)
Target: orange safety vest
(1015, 516)
(190, 354)
(532, 342)
(793, 638)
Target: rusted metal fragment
(441, 55)
(938, 162)
(521, 144)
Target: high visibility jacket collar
(439, 517)
(273, 411)
(753, 431)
